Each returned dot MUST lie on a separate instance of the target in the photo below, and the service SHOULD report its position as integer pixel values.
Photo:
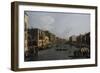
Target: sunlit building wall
(26, 24)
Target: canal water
(57, 52)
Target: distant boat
(61, 49)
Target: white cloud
(46, 22)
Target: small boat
(61, 49)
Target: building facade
(26, 25)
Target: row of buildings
(35, 39)
(38, 39)
(82, 39)
(83, 42)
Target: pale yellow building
(26, 25)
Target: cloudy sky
(61, 24)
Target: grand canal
(59, 51)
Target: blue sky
(61, 24)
